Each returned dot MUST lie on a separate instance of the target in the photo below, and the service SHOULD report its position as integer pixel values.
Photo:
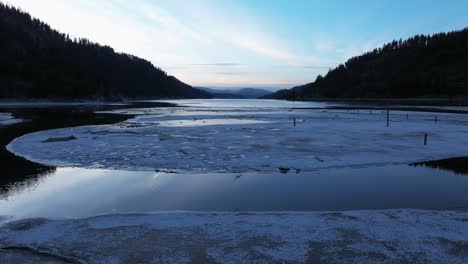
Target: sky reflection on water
(74, 192)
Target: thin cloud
(294, 66)
(220, 64)
(315, 67)
(230, 72)
(260, 46)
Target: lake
(247, 103)
(33, 190)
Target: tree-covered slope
(433, 66)
(39, 62)
(242, 93)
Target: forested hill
(423, 66)
(39, 62)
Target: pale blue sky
(256, 43)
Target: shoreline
(427, 109)
(379, 236)
(385, 101)
(6, 219)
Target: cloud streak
(260, 46)
(219, 64)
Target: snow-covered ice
(8, 119)
(395, 236)
(243, 140)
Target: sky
(247, 43)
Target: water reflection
(74, 192)
(29, 182)
(247, 103)
(457, 165)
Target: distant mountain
(423, 66)
(39, 62)
(220, 94)
(253, 92)
(246, 93)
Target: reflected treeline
(30, 181)
(457, 165)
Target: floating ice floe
(394, 236)
(8, 119)
(249, 140)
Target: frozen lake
(249, 103)
(145, 164)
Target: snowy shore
(250, 140)
(8, 119)
(394, 236)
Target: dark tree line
(423, 66)
(39, 62)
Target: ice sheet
(8, 119)
(234, 140)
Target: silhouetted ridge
(39, 62)
(433, 66)
(243, 93)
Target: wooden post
(425, 139)
(388, 116)
(294, 121)
(435, 119)
(407, 116)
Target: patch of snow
(8, 119)
(249, 140)
(208, 122)
(391, 236)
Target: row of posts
(388, 122)
(407, 116)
